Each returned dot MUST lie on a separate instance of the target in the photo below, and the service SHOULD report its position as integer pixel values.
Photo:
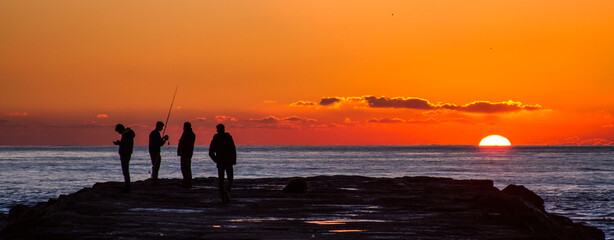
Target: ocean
(575, 181)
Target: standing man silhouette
(126, 145)
(224, 153)
(185, 149)
(155, 143)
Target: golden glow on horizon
(495, 140)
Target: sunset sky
(309, 72)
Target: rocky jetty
(331, 207)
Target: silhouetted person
(155, 143)
(126, 145)
(224, 153)
(185, 149)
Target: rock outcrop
(526, 195)
(297, 185)
(334, 207)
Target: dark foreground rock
(334, 207)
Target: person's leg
(188, 170)
(126, 171)
(220, 180)
(183, 169)
(155, 161)
(230, 173)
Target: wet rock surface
(333, 207)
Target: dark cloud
(298, 119)
(302, 103)
(448, 106)
(384, 102)
(497, 107)
(329, 101)
(385, 120)
(293, 118)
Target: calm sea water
(575, 181)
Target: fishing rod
(169, 112)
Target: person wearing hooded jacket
(126, 145)
(185, 149)
(224, 153)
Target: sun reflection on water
(346, 230)
(327, 222)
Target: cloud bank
(221, 119)
(274, 120)
(423, 104)
(271, 121)
(399, 120)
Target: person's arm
(189, 143)
(163, 140)
(212, 150)
(179, 145)
(233, 150)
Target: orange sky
(397, 72)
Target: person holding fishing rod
(155, 144)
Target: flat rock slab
(333, 207)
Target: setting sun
(495, 140)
